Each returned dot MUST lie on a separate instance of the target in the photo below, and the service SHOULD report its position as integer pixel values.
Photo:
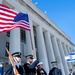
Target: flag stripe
(1, 16)
(10, 28)
(7, 17)
(6, 8)
(2, 11)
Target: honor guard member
(30, 66)
(40, 69)
(55, 70)
(1, 68)
(71, 72)
(10, 68)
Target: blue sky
(61, 12)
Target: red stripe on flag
(8, 15)
(7, 20)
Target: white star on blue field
(61, 12)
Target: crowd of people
(31, 67)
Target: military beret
(16, 54)
(53, 62)
(29, 56)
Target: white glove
(34, 60)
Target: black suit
(40, 73)
(30, 68)
(9, 70)
(55, 71)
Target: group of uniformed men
(31, 67)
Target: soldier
(29, 67)
(40, 69)
(1, 68)
(55, 70)
(71, 72)
(10, 69)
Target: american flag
(10, 19)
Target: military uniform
(55, 70)
(9, 68)
(40, 70)
(1, 68)
(71, 73)
(30, 68)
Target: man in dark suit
(55, 70)
(40, 69)
(29, 67)
(10, 69)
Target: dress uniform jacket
(9, 70)
(72, 74)
(30, 68)
(1, 70)
(55, 71)
(39, 72)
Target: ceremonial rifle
(12, 62)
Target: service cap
(16, 54)
(29, 56)
(53, 62)
(40, 63)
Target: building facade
(45, 40)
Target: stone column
(28, 43)
(63, 57)
(32, 38)
(69, 63)
(42, 55)
(49, 48)
(57, 54)
(15, 40)
(1, 1)
(69, 51)
(66, 53)
(15, 43)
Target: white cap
(39, 63)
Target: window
(8, 34)
(7, 46)
(23, 36)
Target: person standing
(55, 70)
(1, 68)
(10, 69)
(30, 65)
(40, 69)
(71, 72)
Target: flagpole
(32, 49)
(32, 44)
(31, 39)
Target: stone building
(45, 40)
